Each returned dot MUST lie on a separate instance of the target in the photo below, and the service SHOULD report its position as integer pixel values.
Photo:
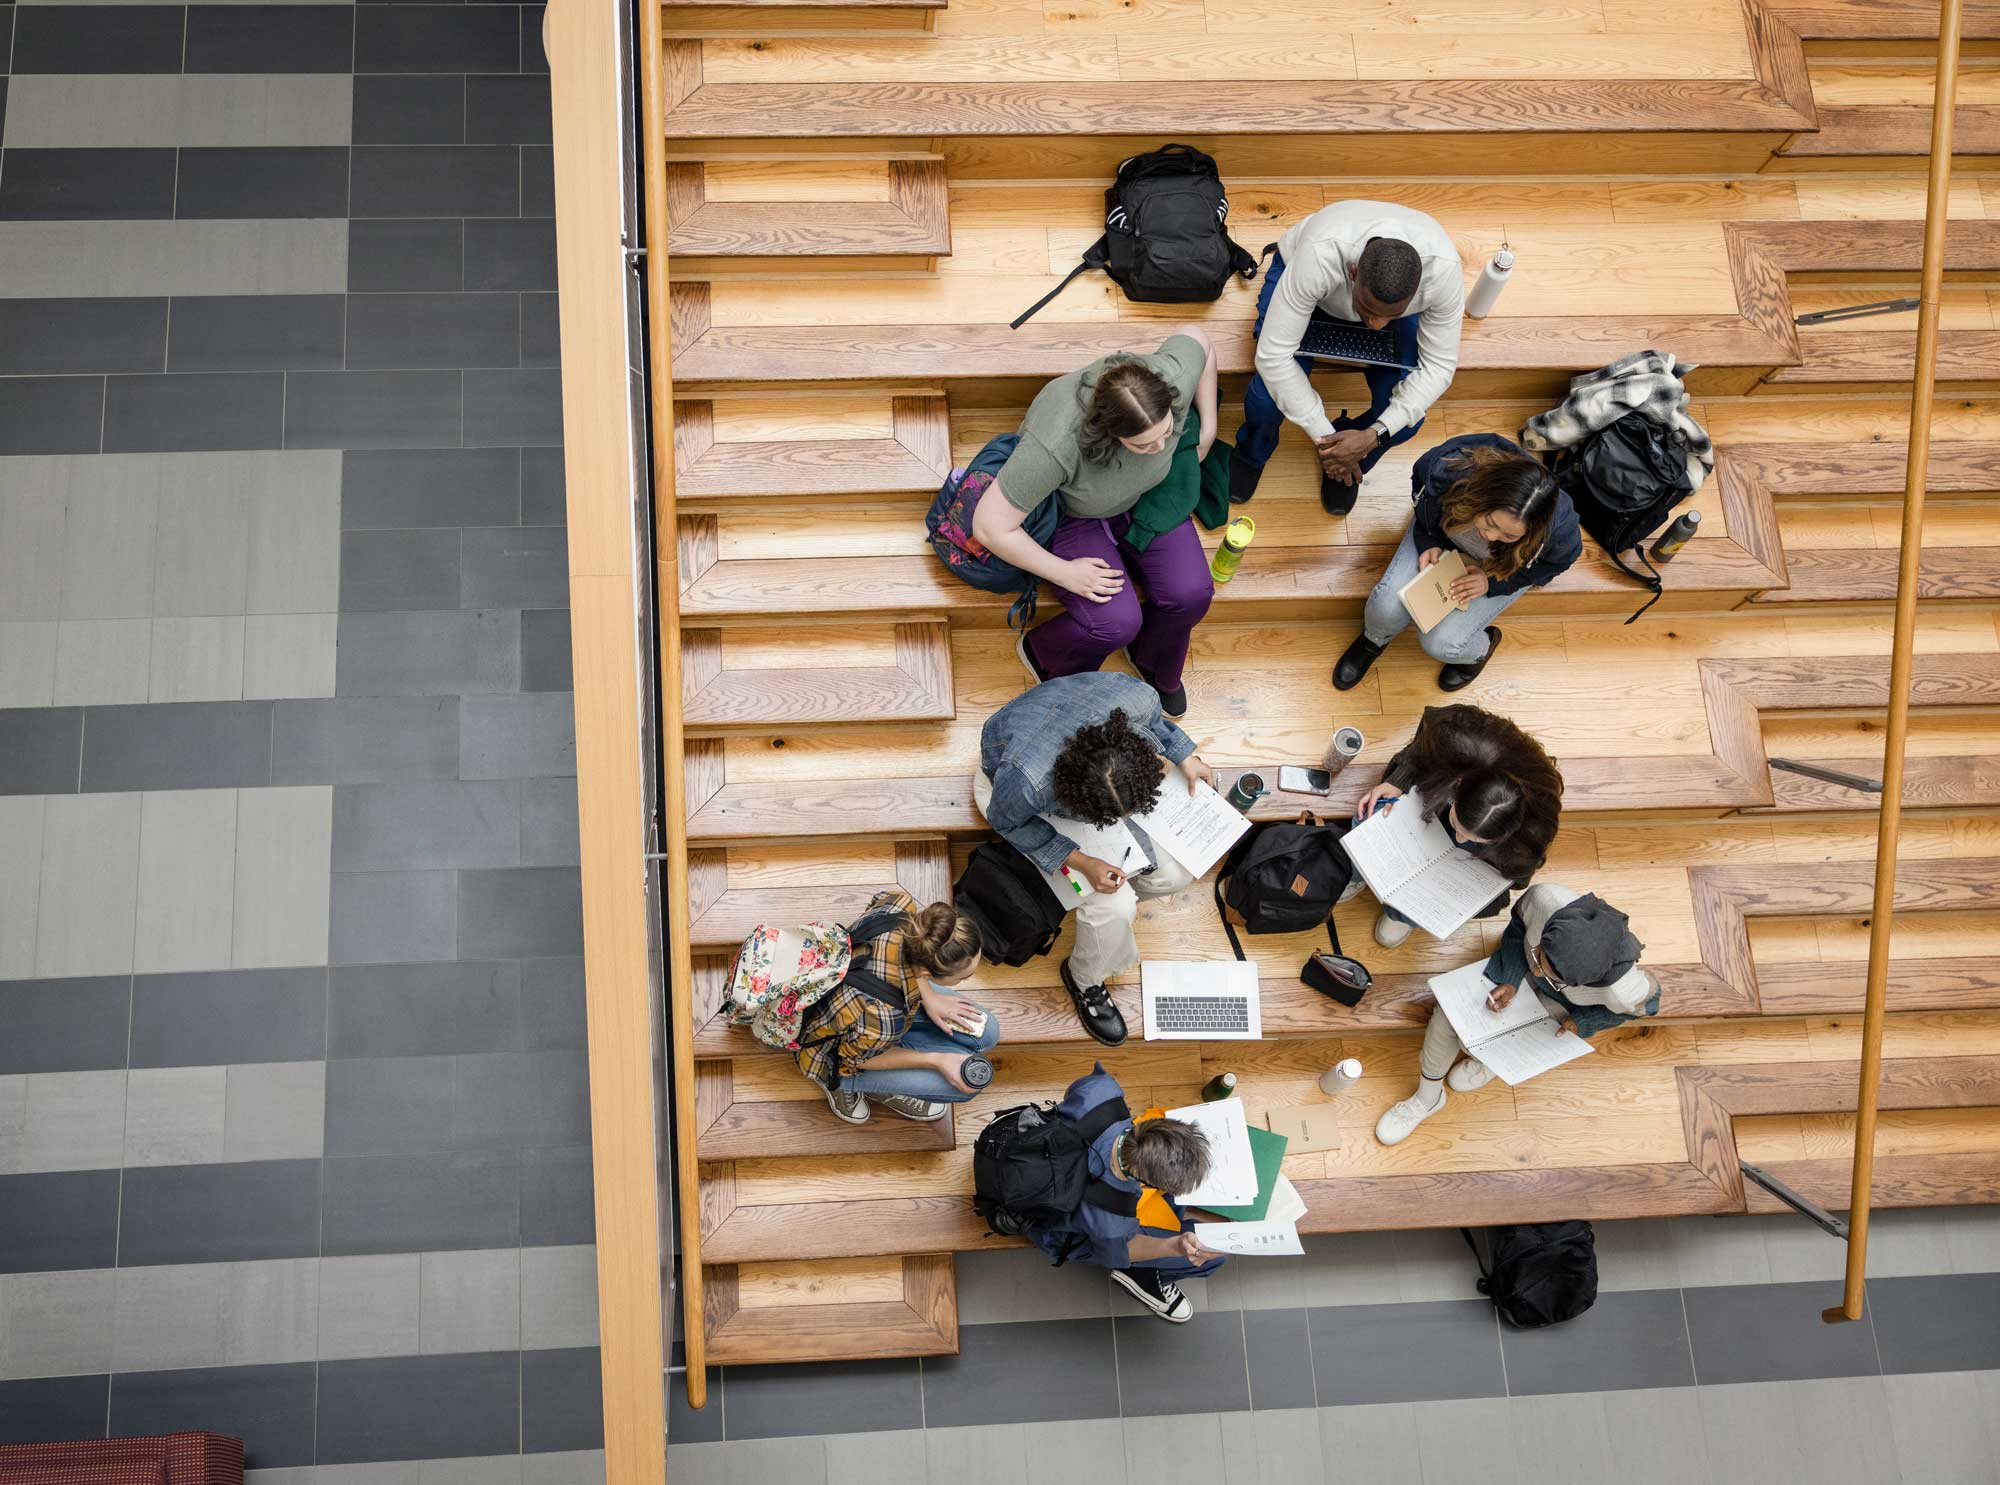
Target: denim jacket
(1435, 474)
(1019, 744)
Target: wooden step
(1869, 575)
(1882, 20)
(909, 678)
(723, 913)
(854, 1310)
(1929, 782)
(905, 446)
(890, 209)
(743, 1129)
(1885, 135)
(1837, 359)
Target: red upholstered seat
(168, 1459)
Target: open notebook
(1518, 1042)
(1411, 864)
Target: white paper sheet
(1411, 864)
(1232, 1170)
(1194, 827)
(1250, 1239)
(1462, 995)
(1286, 1204)
(1110, 843)
(1531, 1049)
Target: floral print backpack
(782, 972)
(949, 523)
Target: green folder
(1268, 1151)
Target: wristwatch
(1381, 433)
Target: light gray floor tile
(89, 891)
(470, 1301)
(569, 1467)
(1844, 1430)
(792, 1461)
(1637, 1254)
(483, 1469)
(247, 256)
(288, 655)
(1973, 1239)
(1372, 1441)
(1020, 1284)
(274, 1111)
(1722, 1250)
(559, 1296)
(1272, 1284)
(103, 662)
(1764, 1431)
(707, 1464)
(34, 507)
(1656, 1436)
(1385, 1267)
(55, 1324)
(168, 1316)
(1464, 1439)
(1560, 1439)
(21, 817)
(187, 874)
(890, 1458)
(27, 662)
(197, 660)
(284, 854)
(1090, 1449)
(100, 112)
(173, 1115)
(73, 1121)
(984, 1454)
(1941, 1427)
(1181, 1450)
(1800, 1250)
(1274, 1447)
(201, 541)
(270, 1311)
(108, 538)
(1906, 1241)
(295, 538)
(368, 1306)
(13, 1119)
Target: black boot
(1335, 497)
(1456, 677)
(1243, 477)
(1354, 662)
(1096, 1009)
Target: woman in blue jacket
(1501, 509)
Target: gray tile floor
(294, 1134)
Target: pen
(1127, 856)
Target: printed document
(1518, 1041)
(1232, 1171)
(1194, 827)
(1112, 844)
(1266, 1239)
(1410, 863)
(1428, 595)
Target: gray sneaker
(911, 1108)
(849, 1107)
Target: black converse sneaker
(1156, 1292)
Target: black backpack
(1018, 916)
(1164, 240)
(1286, 878)
(1540, 1273)
(1625, 480)
(1031, 1167)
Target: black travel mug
(976, 1071)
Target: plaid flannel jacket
(850, 1025)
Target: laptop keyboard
(1337, 340)
(1202, 1013)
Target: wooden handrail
(1915, 478)
(673, 783)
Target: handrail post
(1916, 476)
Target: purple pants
(1174, 572)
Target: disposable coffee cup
(1343, 750)
(1249, 786)
(1340, 1075)
(976, 1071)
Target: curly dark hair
(1108, 771)
(1504, 783)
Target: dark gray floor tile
(48, 185)
(507, 110)
(558, 1206)
(1406, 1352)
(58, 1220)
(507, 1099)
(270, 38)
(1773, 1333)
(204, 1017)
(388, 1105)
(513, 407)
(543, 495)
(219, 1213)
(510, 255)
(66, 1025)
(541, 330)
(372, 409)
(429, 654)
(520, 913)
(52, 414)
(1936, 1323)
(258, 332)
(409, 1010)
(1279, 1344)
(270, 1408)
(399, 571)
(684, 1424)
(178, 414)
(545, 652)
(178, 745)
(419, 1407)
(432, 824)
(392, 917)
(552, 1007)
(434, 330)
(60, 337)
(387, 255)
(562, 1400)
(781, 1401)
(363, 739)
(423, 1203)
(383, 489)
(517, 567)
(538, 181)
(518, 737)
(438, 38)
(1193, 1368)
(54, 1410)
(431, 180)
(533, 57)
(1025, 1371)
(98, 38)
(1630, 1339)
(41, 749)
(421, 108)
(549, 823)
(262, 181)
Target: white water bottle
(1492, 279)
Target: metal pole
(1922, 387)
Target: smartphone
(1293, 780)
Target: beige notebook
(1428, 595)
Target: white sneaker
(1468, 1076)
(1390, 932)
(1035, 675)
(911, 1108)
(1353, 888)
(1156, 1292)
(1396, 1126)
(849, 1107)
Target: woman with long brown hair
(1103, 437)
(1499, 507)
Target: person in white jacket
(1367, 262)
(1576, 952)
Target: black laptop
(1328, 339)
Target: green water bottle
(1222, 1085)
(1229, 556)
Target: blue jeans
(1459, 638)
(1257, 439)
(925, 1035)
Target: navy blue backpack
(950, 525)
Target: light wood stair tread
(744, 1131)
(914, 222)
(1843, 356)
(1890, 130)
(1854, 574)
(914, 456)
(1883, 20)
(918, 1318)
(917, 687)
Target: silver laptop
(1211, 1000)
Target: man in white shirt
(1372, 262)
